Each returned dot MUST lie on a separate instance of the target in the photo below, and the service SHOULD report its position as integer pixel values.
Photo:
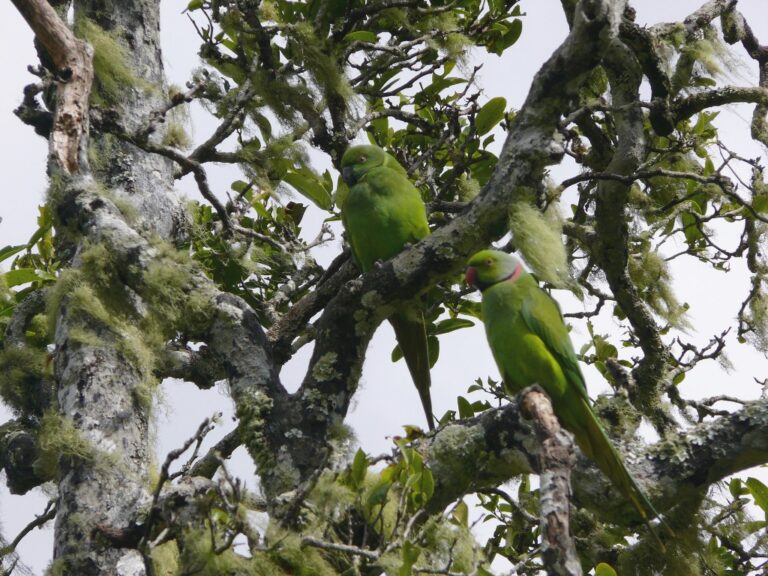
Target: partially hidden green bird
(382, 213)
(531, 345)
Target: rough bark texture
(98, 384)
(104, 495)
(556, 460)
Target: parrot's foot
(378, 264)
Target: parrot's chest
(380, 223)
(522, 357)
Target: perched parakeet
(382, 213)
(530, 344)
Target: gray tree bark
(104, 498)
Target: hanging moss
(651, 276)
(165, 559)
(56, 568)
(538, 237)
(197, 556)
(25, 384)
(112, 70)
(175, 135)
(447, 542)
(253, 411)
(326, 73)
(286, 557)
(176, 123)
(102, 311)
(170, 294)
(291, 558)
(37, 333)
(102, 153)
(757, 316)
(59, 439)
(468, 187)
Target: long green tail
(595, 443)
(411, 334)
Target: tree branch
(555, 462)
(75, 75)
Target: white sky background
(387, 398)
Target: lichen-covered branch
(555, 461)
(611, 250)
(487, 450)
(736, 28)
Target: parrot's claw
(379, 263)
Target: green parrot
(382, 213)
(530, 344)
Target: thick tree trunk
(100, 385)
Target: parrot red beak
(471, 276)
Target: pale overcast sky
(387, 398)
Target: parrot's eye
(362, 159)
(488, 262)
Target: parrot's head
(488, 267)
(357, 160)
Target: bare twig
(354, 550)
(48, 514)
(202, 430)
(208, 464)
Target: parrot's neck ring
(515, 274)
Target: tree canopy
(125, 283)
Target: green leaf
(679, 377)
(759, 203)
(490, 114)
(9, 251)
(461, 514)
(465, 408)
(754, 526)
(21, 276)
(605, 349)
(410, 553)
(496, 6)
(438, 85)
(604, 569)
(427, 485)
(759, 492)
(264, 125)
(378, 494)
(690, 228)
(195, 5)
(239, 186)
(361, 36)
(359, 469)
(309, 187)
(451, 324)
(736, 487)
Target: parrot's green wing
(383, 212)
(542, 315)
